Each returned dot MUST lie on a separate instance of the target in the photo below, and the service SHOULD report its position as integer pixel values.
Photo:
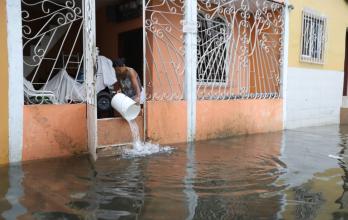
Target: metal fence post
(190, 33)
(285, 57)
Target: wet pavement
(296, 174)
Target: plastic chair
(38, 96)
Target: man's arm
(135, 83)
(117, 86)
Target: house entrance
(60, 58)
(238, 56)
(131, 48)
(119, 35)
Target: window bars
(164, 59)
(313, 37)
(52, 40)
(211, 52)
(239, 49)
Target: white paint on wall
(15, 57)
(285, 64)
(314, 97)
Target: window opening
(211, 53)
(313, 37)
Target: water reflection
(343, 163)
(313, 177)
(4, 186)
(14, 193)
(189, 181)
(285, 175)
(117, 192)
(235, 176)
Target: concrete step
(344, 116)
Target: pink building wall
(54, 131)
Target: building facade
(210, 70)
(315, 73)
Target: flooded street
(295, 174)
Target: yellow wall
(3, 85)
(336, 12)
(328, 185)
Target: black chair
(104, 107)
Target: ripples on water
(273, 176)
(140, 148)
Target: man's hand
(137, 99)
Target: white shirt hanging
(106, 75)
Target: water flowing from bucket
(135, 134)
(140, 148)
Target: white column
(285, 66)
(190, 33)
(16, 94)
(191, 195)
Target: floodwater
(296, 174)
(140, 148)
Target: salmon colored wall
(218, 119)
(107, 32)
(113, 131)
(54, 131)
(4, 114)
(166, 121)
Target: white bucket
(126, 106)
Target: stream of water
(141, 148)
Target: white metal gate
(239, 49)
(59, 47)
(164, 49)
(212, 50)
(52, 51)
(240, 45)
(90, 64)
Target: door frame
(90, 118)
(345, 81)
(89, 51)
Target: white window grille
(165, 49)
(313, 37)
(239, 49)
(53, 51)
(212, 50)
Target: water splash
(140, 148)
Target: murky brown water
(299, 174)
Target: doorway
(119, 34)
(131, 48)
